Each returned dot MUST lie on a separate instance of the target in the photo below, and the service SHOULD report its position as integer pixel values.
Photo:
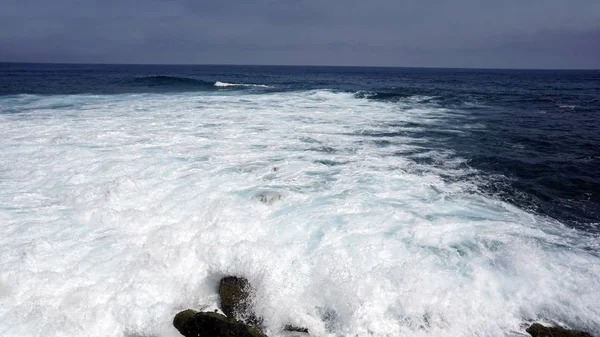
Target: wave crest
(226, 84)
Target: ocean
(400, 201)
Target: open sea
(357, 201)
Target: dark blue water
(539, 148)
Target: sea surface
(400, 202)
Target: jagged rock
(538, 330)
(295, 329)
(235, 293)
(210, 324)
(268, 197)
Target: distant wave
(166, 81)
(387, 95)
(225, 84)
(175, 82)
(463, 100)
(186, 83)
(392, 96)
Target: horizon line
(294, 65)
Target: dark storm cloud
(460, 33)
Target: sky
(412, 33)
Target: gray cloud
(444, 33)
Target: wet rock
(292, 328)
(210, 324)
(268, 197)
(235, 293)
(182, 318)
(538, 330)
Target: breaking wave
(120, 216)
(226, 84)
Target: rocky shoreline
(240, 321)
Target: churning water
(402, 202)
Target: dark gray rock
(182, 318)
(210, 324)
(538, 330)
(236, 300)
(292, 328)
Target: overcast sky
(433, 33)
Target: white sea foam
(225, 84)
(118, 211)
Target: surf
(123, 209)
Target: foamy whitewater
(225, 84)
(117, 211)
